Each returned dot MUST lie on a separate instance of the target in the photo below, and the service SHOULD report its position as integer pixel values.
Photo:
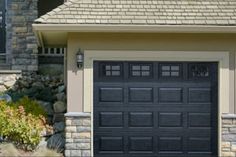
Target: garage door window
(111, 70)
(141, 70)
(170, 70)
(199, 70)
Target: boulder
(42, 144)
(56, 142)
(47, 107)
(61, 96)
(2, 88)
(10, 83)
(6, 97)
(45, 94)
(59, 107)
(58, 117)
(38, 84)
(24, 83)
(61, 88)
(59, 127)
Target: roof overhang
(56, 34)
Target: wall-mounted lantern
(80, 59)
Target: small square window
(170, 70)
(199, 70)
(111, 70)
(140, 70)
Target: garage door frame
(191, 56)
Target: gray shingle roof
(143, 12)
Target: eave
(46, 31)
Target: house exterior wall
(143, 42)
(77, 79)
(21, 45)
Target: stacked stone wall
(21, 44)
(228, 143)
(78, 135)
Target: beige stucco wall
(143, 42)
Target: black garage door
(155, 109)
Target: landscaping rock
(9, 84)
(6, 97)
(2, 88)
(61, 88)
(61, 96)
(24, 83)
(56, 142)
(38, 84)
(59, 127)
(58, 117)
(59, 107)
(47, 107)
(45, 95)
(42, 143)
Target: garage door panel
(111, 145)
(199, 144)
(155, 109)
(140, 94)
(111, 119)
(170, 144)
(199, 95)
(141, 119)
(170, 120)
(141, 145)
(170, 95)
(199, 119)
(111, 94)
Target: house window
(2, 33)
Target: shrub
(30, 106)
(20, 126)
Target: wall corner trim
(229, 116)
(77, 114)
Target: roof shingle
(143, 12)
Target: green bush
(19, 125)
(30, 106)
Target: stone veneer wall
(78, 135)
(228, 145)
(21, 43)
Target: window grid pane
(141, 70)
(199, 70)
(112, 70)
(170, 70)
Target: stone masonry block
(71, 129)
(75, 153)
